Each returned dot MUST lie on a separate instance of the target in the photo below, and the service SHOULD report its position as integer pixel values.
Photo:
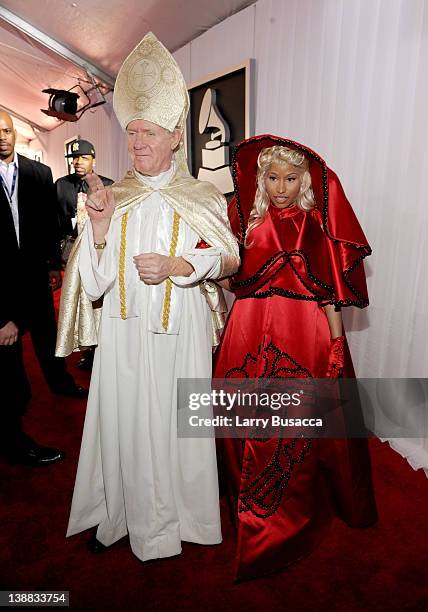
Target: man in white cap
(140, 250)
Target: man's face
(151, 147)
(83, 165)
(7, 138)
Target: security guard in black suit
(29, 267)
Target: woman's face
(282, 183)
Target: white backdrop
(348, 78)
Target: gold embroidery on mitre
(151, 86)
(122, 255)
(168, 283)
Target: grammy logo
(215, 154)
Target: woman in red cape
(302, 260)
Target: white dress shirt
(7, 172)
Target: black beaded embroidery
(271, 356)
(287, 259)
(263, 494)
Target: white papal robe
(135, 476)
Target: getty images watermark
(302, 407)
(234, 402)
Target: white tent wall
(349, 80)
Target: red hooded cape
(284, 492)
(327, 269)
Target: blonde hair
(278, 155)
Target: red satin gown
(283, 493)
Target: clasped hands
(153, 268)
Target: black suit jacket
(67, 188)
(24, 268)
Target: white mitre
(150, 86)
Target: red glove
(336, 359)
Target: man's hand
(8, 334)
(55, 279)
(153, 268)
(100, 206)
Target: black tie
(83, 187)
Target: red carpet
(381, 568)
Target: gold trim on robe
(122, 256)
(168, 283)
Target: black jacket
(24, 268)
(67, 188)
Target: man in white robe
(138, 250)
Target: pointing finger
(94, 182)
